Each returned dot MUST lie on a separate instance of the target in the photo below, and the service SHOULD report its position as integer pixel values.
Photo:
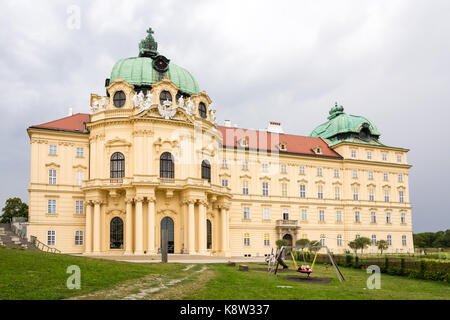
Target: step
(15, 239)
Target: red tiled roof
(72, 123)
(267, 141)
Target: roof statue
(148, 47)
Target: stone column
(129, 227)
(138, 227)
(184, 209)
(191, 235)
(96, 228)
(215, 231)
(202, 227)
(151, 226)
(225, 230)
(88, 228)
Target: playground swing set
(276, 259)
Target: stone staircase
(10, 239)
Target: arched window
(116, 233)
(202, 110)
(208, 234)
(166, 166)
(206, 170)
(165, 95)
(117, 165)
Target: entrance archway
(167, 223)
(288, 238)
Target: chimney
(274, 127)
(227, 123)
(70, 112)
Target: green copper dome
(150, 67)
(346, 127)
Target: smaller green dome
(346, 127)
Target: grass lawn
(27, 274)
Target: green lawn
(26, 274)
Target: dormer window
(202, 110)
(243, 142)
(165, 96)
(317, 150)
(282, 146)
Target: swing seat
(304, 269)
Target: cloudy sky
(258, 60)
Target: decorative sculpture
(94, 107)
(181, 102)
(136, 100)
(189, 107)
(167, 110)
(104, 103)
(213, 117)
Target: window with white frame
(283, 168)
(337, 193)
(246, 239)
(245, 187)
(355, 193)
(388, 217)
(386, 195)
(51, 237)
(79, 176)
(353, 153)
(401, 197)
(374, 239)
(357, 236)
(52, 149)
(403, 218)
(304, 215)
(284, 189)
(389, 240)
(266, 213)
(51, 206)
(384, 156)
(302, 191)
(301, 170)
(322, 215)
(370, 175)
(319, 172)
(338, 216)
(371, 194)
(285, 214)
(265, 167)
(339, 240)
(404, 240)
(246, 213)
(369, 155)
(399, 158)
(373, 217)
(79, 206)
(52, 176)
(244, 165)
(320, 191)
(400, 177)
(357, 216)
(322, 239)
(265, 188)
(336, 173)
(224, 182)
(80, 152)
(385, 176)
(266, 239)
(354, 174)
(224, 164)
(78, 238)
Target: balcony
(287, 224)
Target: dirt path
(173, 285)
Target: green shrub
(348, 260)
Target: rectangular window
(355, 193)
(79, 176)
(319, 172)
(51, 206)
(386, 195)
(389, 240)
(404, 241)
(245, 187)
(265, 167)
(400, 196)
(337, 193)
(339, 240)
(388, 217)
(384, 156)
(224, 182)
(373, 217)
(371, 194)
(336, 173)
(403, 218)
(357, 216)
(52, 176)
(304, 215)
(266, 239)
(399, 158)
(285, 214)
(369, 155)
(357, 236)
(338, 216)
(244, 165)
(283, 168)
(79, 206)
(246, 213)
(78, 238)
(284, 189)
(301, 170)
(52, 149)
(80, 152)
(353, 153)
(322, 215)
(374, 239)
(370, 175)
(355, 173)
(224, 164)
(266, 213)
(265, 188)
(51, 237)
(246, 239)
(302, 191)
(385, 176)
(320, 191)
(400, 177)
(322, 239)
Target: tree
(14, 207)
(302, 243)
(363, 243)
(280, 243)
(382, 245)
(354, 246)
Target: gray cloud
(258, 60)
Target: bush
(348, 260)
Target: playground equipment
(276, 259)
